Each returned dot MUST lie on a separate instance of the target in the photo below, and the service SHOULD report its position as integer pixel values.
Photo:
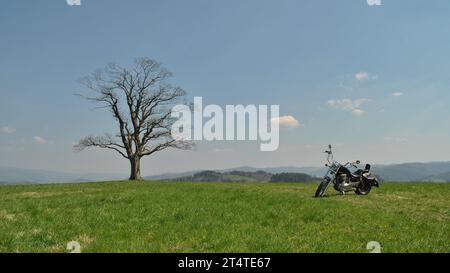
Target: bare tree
(140, 100)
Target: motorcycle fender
(375, 183)
(371, 180)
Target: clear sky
(372, 80)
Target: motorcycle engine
(343, 183)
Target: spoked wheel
(363, 189)
(322, 187)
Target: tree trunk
(135, 168)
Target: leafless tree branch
(140, 101)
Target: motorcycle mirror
(357, 161)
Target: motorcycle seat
(359, 173)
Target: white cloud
(287, 121)
(347, 104)
(353, 106)
(396, 139)
(39, 140)
(358, 112)
(7, 130)
(397, 94)
(362, 76)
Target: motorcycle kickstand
(343, 192)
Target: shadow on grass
(333, 195)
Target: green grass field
(222, 217)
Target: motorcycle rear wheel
(363, 189)
(322, 187)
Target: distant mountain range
(431, 171)
(443, 177)
(405, 172)
(19, 175)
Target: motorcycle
(343, 180)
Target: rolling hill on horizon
(11, 175)
(442, 177)
(413, 171)
(404, 172)
(428, 172)
(246, 176)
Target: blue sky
(372, 80)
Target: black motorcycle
(343, 180)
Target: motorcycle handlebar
(329, 154)
(330, 158)
(354, 164)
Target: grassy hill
(243, 176)
(222, 217)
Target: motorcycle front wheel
(322, 187)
